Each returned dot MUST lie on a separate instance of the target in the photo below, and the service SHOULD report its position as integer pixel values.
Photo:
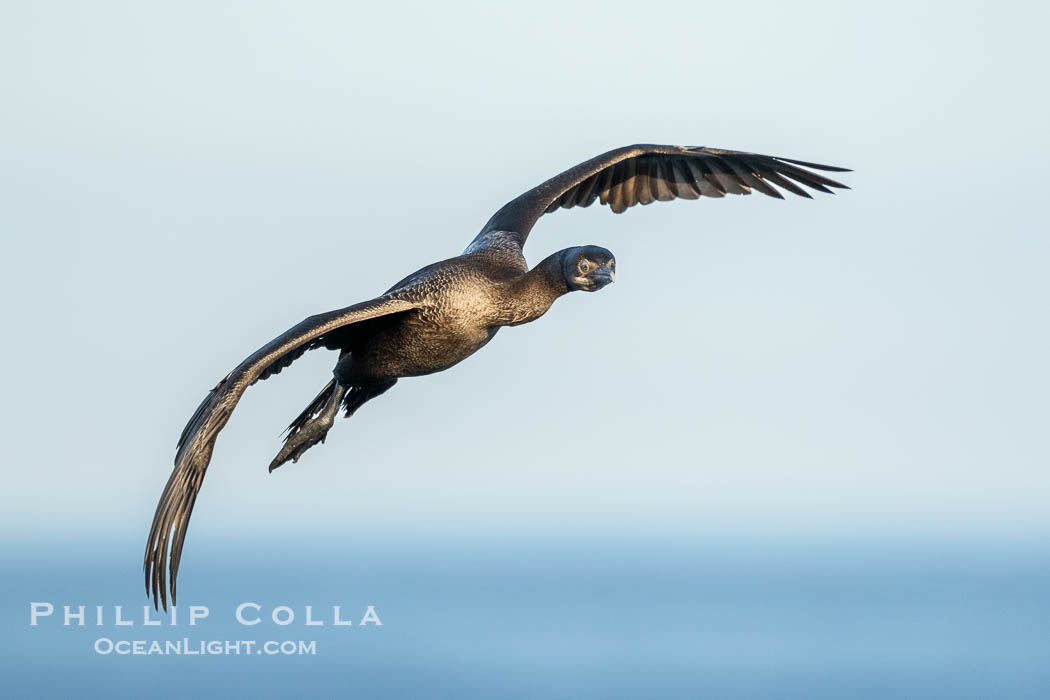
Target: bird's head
(588, 268)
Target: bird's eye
(584, 266)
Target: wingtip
(818, 166)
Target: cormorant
(447, 311)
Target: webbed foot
(308, 430)
(313, 432)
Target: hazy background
(860, 378)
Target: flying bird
(447, 311)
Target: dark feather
(616, 193)
(709, 185)
(684, 186)
(605, 188)
(658, 181)
(168, 531)
(818, 166)
(587, 191)
(807, 177)
(630, 170)
(770, 174)
(651, 172)
(743, 172)
(725, 177)
(642, 191)
(801, 177)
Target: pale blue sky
(184, 181)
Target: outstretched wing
(648, 173)
(198, 438)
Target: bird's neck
(534, 292)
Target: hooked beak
(603, 276)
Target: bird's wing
(198, 438)
(648, 173)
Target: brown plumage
(445, 312)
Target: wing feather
(774, 177)
(588, 192)
(630, 177)
(645, 173)
(659, 178)
(642, 192)
(616, 191)
(725, 176)
(750, 179)
(686, 182)
(605, 189)
(197, 441)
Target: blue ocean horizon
(574, 616)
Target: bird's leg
(307, 430)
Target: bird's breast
(426, 341)
(461, 310)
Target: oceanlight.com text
(214, 647)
